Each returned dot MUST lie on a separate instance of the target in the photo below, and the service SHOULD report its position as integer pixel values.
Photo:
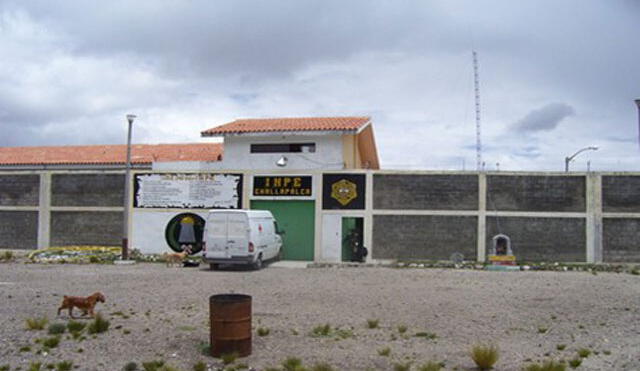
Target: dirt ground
(162, 313)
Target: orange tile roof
(288, 124)
(110, 154)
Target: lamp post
(127, 187)
(570, 158)
(638, 104)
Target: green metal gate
(297, 220)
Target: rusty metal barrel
(230, 317)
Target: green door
(297, 220)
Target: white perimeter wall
(148, 227)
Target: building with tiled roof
(106, 156)
(332, 143)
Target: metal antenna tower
(476, 82)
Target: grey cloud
(546, 118)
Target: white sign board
(188, 191)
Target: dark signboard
(282, 186)
(343, 191)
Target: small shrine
(500, 252)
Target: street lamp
(570, 158)
(127, 186)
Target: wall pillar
(482, 216)
(368, 215)
(594, 218)
(44, 211)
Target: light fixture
(282, 161)
(568, 159)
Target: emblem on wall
(343, 191)
(185, 230)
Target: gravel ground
(526, 314)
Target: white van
(240, 237)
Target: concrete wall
(425, 192)
(537, 239)
(86, 228)
(536, 193)
(87, 189)
(424, 237)
(19, 229)
(621, 194)
(621, 239)
(19, 190)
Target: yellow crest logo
(344, 191)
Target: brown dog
(176, 257)
(86, 304)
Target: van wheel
(214, 266)
(258, 263)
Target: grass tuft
(57, 328)
(561, 346)
(424, 334)
(229, 358)
(200, 366)
(64, 366)
(263, 331)
(35, 366)
(431, 366)
(584, 352)
(384, 351)
(292, 364)
(321, 330)
(373, 323)
(51, 342)
(98, 325)
(75, 326)
(485, 356)
(152, 365)
(575, 363)
(36, 323)
(322, 366)
(549, 365)
(402, 329)
(402, 366)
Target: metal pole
(566, 164)
(638, 104)
(127, 190)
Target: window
(283, 148)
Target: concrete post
(482, 216)
(44, 211)
(594, 218)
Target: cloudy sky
(555, 76)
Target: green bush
(98, 325)
(131, 366)
(36, 323)
(5, 368)
(485, 356)
(57, 328)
